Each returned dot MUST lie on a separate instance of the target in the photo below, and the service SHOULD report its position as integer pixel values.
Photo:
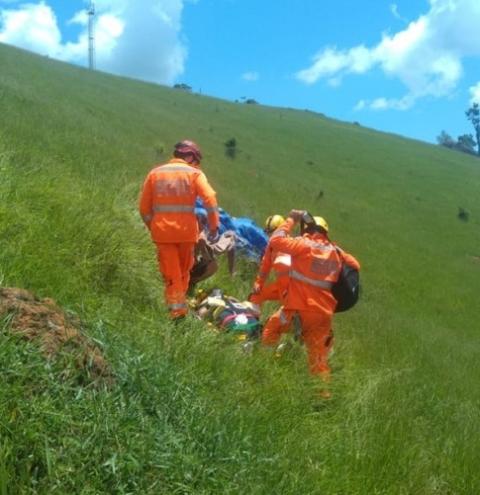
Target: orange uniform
(167, 206)
(315, 266)
(274, 291)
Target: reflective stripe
(212, 209)
(282, 273)
(176, 168)
(280, 233)
(283, 259)
(147, 218)
(321, 247)
(282, 317)
(323, 284)
(176, 306)
(173, 209)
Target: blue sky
(411, 66)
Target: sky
(411, 67)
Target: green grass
(189, 413)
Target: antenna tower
(91, 36)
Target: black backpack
(346, 289)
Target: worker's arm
(146, 200)
(281, 240)
(209, 198)
(349, 260)
(264, 269)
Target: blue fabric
(251, 239)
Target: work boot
(282, 349)
(325, 394)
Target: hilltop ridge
(188, 412)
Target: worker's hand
(213, 236)
(296, 215)
(251, 297)
(256, 288)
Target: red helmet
(188, 149)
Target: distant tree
(183, 87)
(251, 101)
(444, 139)
(473, 115)
(231, 148)
(466, 144)
(463, 214)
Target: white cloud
(426, 56)
(33, 27)
(334, 82)
(250, 76)
(137, 38)
(396, 13)
(361, 104)
(475, 94)
(386, 103)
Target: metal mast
(91, 36)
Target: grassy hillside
(189, 413)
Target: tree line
(466, 143)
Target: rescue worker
(315, 265)
(167, 206)
(272, 260)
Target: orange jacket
(316, 265)
(279, 262)
(167, 202)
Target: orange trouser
(316, 333)
(175, 262)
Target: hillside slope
(189, 413)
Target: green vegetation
(189, 412)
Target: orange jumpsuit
(167, 206)
(274, 291)
(316, 265)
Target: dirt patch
(43, 322)
(476, 258)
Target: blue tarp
(251, 239)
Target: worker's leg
(318, 337)
(276, 325)
(170, 268)
(187, 259)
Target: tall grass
(189, 412)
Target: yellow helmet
(273, 222)
(321, 222)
